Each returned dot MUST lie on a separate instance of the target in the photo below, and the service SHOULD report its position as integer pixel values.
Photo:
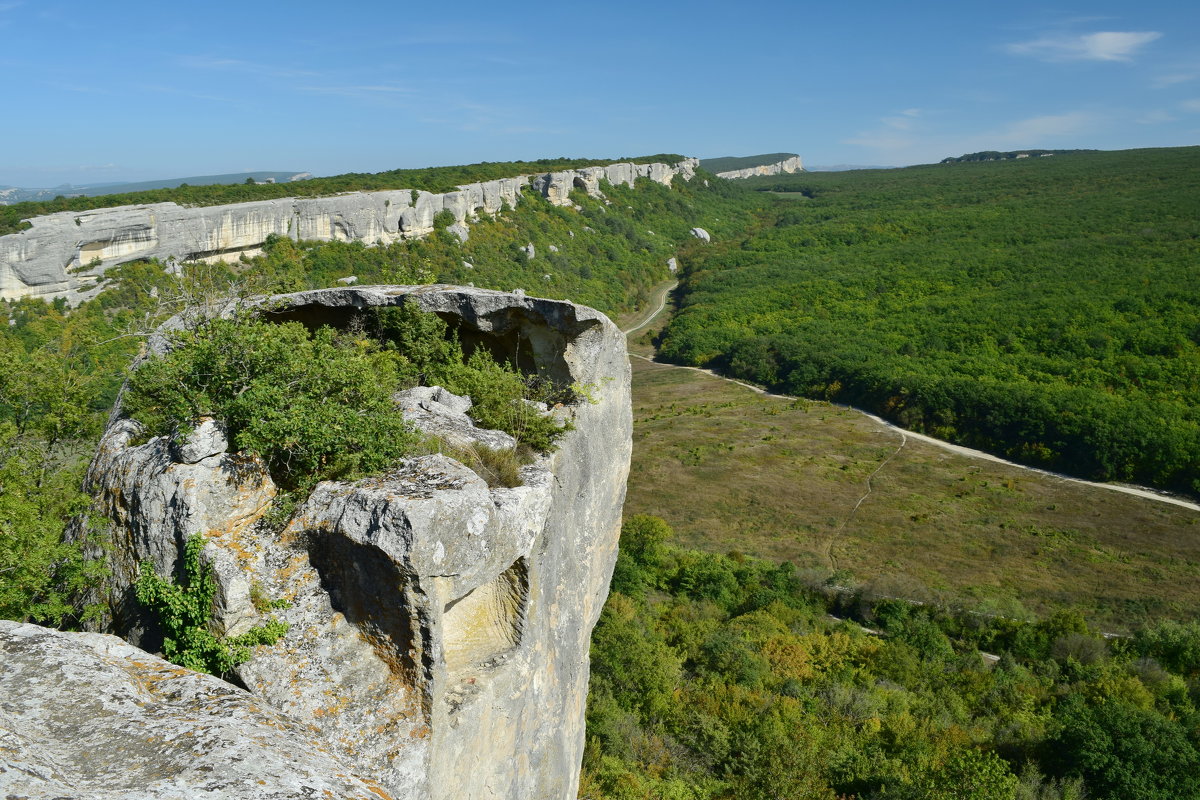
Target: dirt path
(663, 292)
(1137, 491)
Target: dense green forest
(726, 677)
(429, 179)
(1044, 309)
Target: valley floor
(839, 491)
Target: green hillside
(1045, 309)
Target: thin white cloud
(6, 7)
(1032, 131)
(882, 140)
(894, 133)
(1101, 46)
(1156, 117)
(1163, 81)
(249, 67)
(357, 91)
(1191, 105)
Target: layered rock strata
(438, 628)
(785, 167)
(66, 253)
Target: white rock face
(66, 253)
(785, 167)
(701, 234)
(438, 628)
(89, 715)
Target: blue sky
(100, 91)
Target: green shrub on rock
(314, 407)
(184, 609)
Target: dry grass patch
(733, 470)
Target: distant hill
(842, 167)
(14, 194)
(995, 155)
(730, 163)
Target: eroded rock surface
(785, 167)
(89, 715)
(64, 254)
(438, 628)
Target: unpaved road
(1137, 491)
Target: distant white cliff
(785, 167)
(66, 253)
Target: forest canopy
(1044, 309)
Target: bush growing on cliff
(315, 407)
(498, 390)
(184, 610)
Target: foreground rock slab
(89, 715)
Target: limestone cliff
(438, 628)
(64, 254)
(785, 167)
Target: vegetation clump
(183, 609)
(314, 406)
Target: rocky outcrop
(65, 254)
(89, 715)
(785, 167)
(438, 628)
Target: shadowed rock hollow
(438, 628)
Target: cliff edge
(438, 629)
(66, 253)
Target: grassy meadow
(731, 469)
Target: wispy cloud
(6, 7)
(358, 91)
(1034, 130)
(246, 67)
(1191, 105)
(1101, 46)
(1173, 79)
(894, 132)
(904, 121)
(1156, 117)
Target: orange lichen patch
(376, 789)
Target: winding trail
(1137, 491)
(829, 554)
